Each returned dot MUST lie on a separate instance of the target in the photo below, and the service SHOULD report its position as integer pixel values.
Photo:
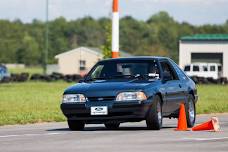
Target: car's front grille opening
(108, 98)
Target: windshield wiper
(128, 76)
(124, 76)
(89, 79)
(139, 76)
(98, 78)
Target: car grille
(111, 98)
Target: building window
(195, 68)
(187, 68)
(219, 68)
(212, 68)
(205, 68)
(82, 64)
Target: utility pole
(45, 57)
(115, 29)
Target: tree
(106, 47)
(28, 53)
(159, 35)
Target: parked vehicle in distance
(205, 73)
(130, 90)
(3, 72)
(206, 70)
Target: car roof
(137, 58)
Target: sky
(196, 12)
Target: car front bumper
(117, 111)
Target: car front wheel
(191, 112)
(76, 125)
(154, 117)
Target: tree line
(159, 35)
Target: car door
(183, 79)
(173, 91)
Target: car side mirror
(166, 76)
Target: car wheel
(112, 125)
(154, 117)
(191, 112)
(75, 125)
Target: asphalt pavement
(131, 137)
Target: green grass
(32, 102)
(30, 70)
(212, 99)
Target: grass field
(33, 102)
(212, 99)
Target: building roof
(206, 37)
(92, 50)
(122, 53)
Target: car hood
(107, 87)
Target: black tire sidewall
(189, 123)
(152, 120)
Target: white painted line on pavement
(206, 139)
(23, 135)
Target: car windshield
(124, 70)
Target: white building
(79, 60)
(209, 48)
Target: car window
(97, 72)
(219, 68)
(180, 73)
(187, 68)
(205, 68)
(154, 68)
(123, 69)
(132, 68)
(166, 67)
(212, 68)
(195, 68)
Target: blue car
(130, 90)
(3, 72)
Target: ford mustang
(130, 90)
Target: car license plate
(101, 110)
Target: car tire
(190, 111)
(154, 117)
(76, 125)
(112, 125)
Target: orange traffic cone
(213, 125)
(182, 122)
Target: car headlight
(131, 96)
(73, 98)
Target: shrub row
(202, 80)
(23, 77)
